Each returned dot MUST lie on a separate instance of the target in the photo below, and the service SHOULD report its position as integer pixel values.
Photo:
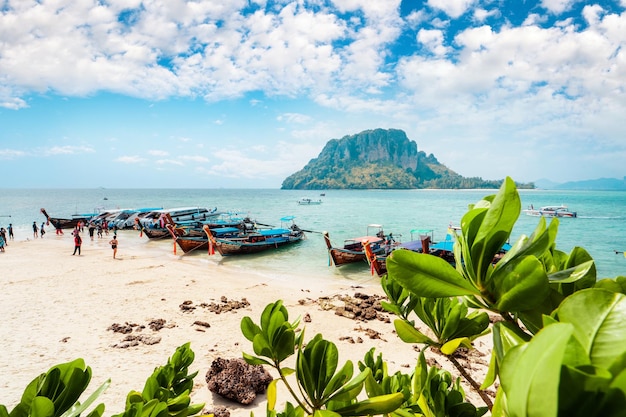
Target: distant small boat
(105, 198)
(305, 201)
(550, 211)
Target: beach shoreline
(58, 307)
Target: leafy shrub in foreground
(55, 393)
(321, 387)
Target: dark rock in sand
(237, 380)
(217, 411)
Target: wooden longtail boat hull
(378, 263)
(343, 256)
(187, 243)
(190, 244)
(59, 223)
(156, 233)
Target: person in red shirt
(77, 242)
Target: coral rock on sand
(217, 411)
(237, 380)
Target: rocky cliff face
(373, 146)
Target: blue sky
(241, 94)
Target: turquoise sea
(600, 227)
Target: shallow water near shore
(600, 227)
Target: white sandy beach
(56, 307)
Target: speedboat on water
(305, 201)
(550, 211)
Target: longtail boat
(256, 241)
(378, 262)
(60, 223)
(352, 250)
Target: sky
(241, 94)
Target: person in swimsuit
(113, 244)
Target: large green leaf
(373, 406)
(249, 328)
(536, 245)
(573, 274)
(426, 275)
(42, 407)
(495, 227)
(350, 390)
(521, 285)
(598, 317)
(530, 373)
(409, 334)
(341, 377)
(617, 284)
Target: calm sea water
(600, 227)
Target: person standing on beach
(35, 230)
(77, 242)
(113, 244)
(10, 231)
(41, 231)
(1, 243)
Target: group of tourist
(78, 241)
(7, 234)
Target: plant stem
(293, 394)
(475, 385)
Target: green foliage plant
(574, 366)
(449, 319)
(530, 280)
(560, 350)
(321, 387)
(55, 393)
(167, 391)
(428, 391)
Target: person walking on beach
(41, 231)
(113, 244)
(11, 237)
(77, 242)
(35, 230)
(91, 228)
(1, 243)
(3, 236)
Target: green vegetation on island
(380, 159)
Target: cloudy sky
(213, 93)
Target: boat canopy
(224, 230)
(272, 232)
(363, 239)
